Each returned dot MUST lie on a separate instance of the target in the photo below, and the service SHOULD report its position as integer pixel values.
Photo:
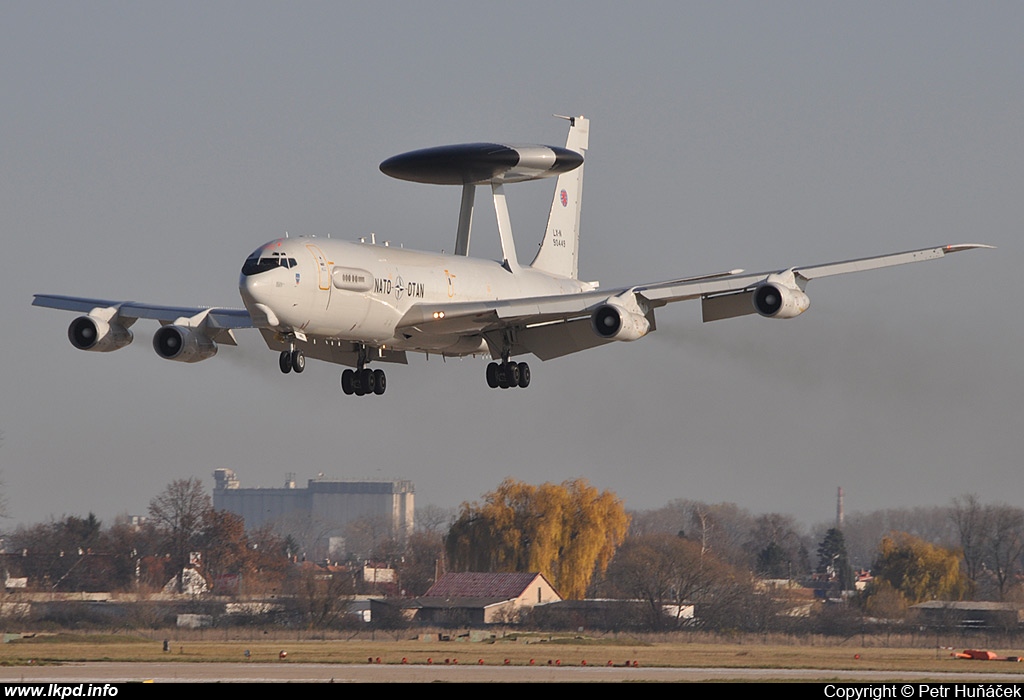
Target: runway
(164, 672)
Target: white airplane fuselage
(359, 292)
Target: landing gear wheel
(524, 375)
(366, 381)
(298, 361)
(380, 382)
(492, 375)
(346, 382)
(285, 362)
(512, 372)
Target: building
(471, 598)
(321, 511)
(970, 614)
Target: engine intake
(97, 335)
(183, 344)
(613, 321)
(775, 299)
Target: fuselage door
(323, 272)
(323, 275)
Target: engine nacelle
(183, 344)
(96, 335)
(776, 299)
(611, 320)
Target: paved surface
(118, 672)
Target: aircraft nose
(252, 288)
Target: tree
(422, 562)
(972, 525)
(568, 532)
(309, 536)
(833, 560)
(777, 547)
(224, 545)
(434, 519)
(667, 573)
(132, 544)
(322, 593)
(917, 570)
(366, 536)
(269, 563)
(863, 531)
(1005, 544)
(181, 511)
(3, 489)
(991, 539)
(67, 554)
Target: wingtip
(957, 247)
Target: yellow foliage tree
(567, 531)
(918, 570)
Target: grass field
(517, 649)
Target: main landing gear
(363, 380)
(508, 374)
(292, 360)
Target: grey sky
(147, 148)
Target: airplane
(356, 303)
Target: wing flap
(726, 306)
(558, 339)
(477, 317)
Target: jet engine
(612, 320)
(775, 298)
(183, 344)
(97, 335)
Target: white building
(325, 506)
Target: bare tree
(435, 519)
(972, 524)
(309, 535)
(322, 594)
(776, 547)
(863, 531)
(667, 572)
(180, 511)
(365, 536)
(3, 488)
(1005, 544)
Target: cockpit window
(256, 264)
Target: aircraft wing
(552, 326)
(665, 292)
(218, 317)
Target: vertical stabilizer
(559, 251)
